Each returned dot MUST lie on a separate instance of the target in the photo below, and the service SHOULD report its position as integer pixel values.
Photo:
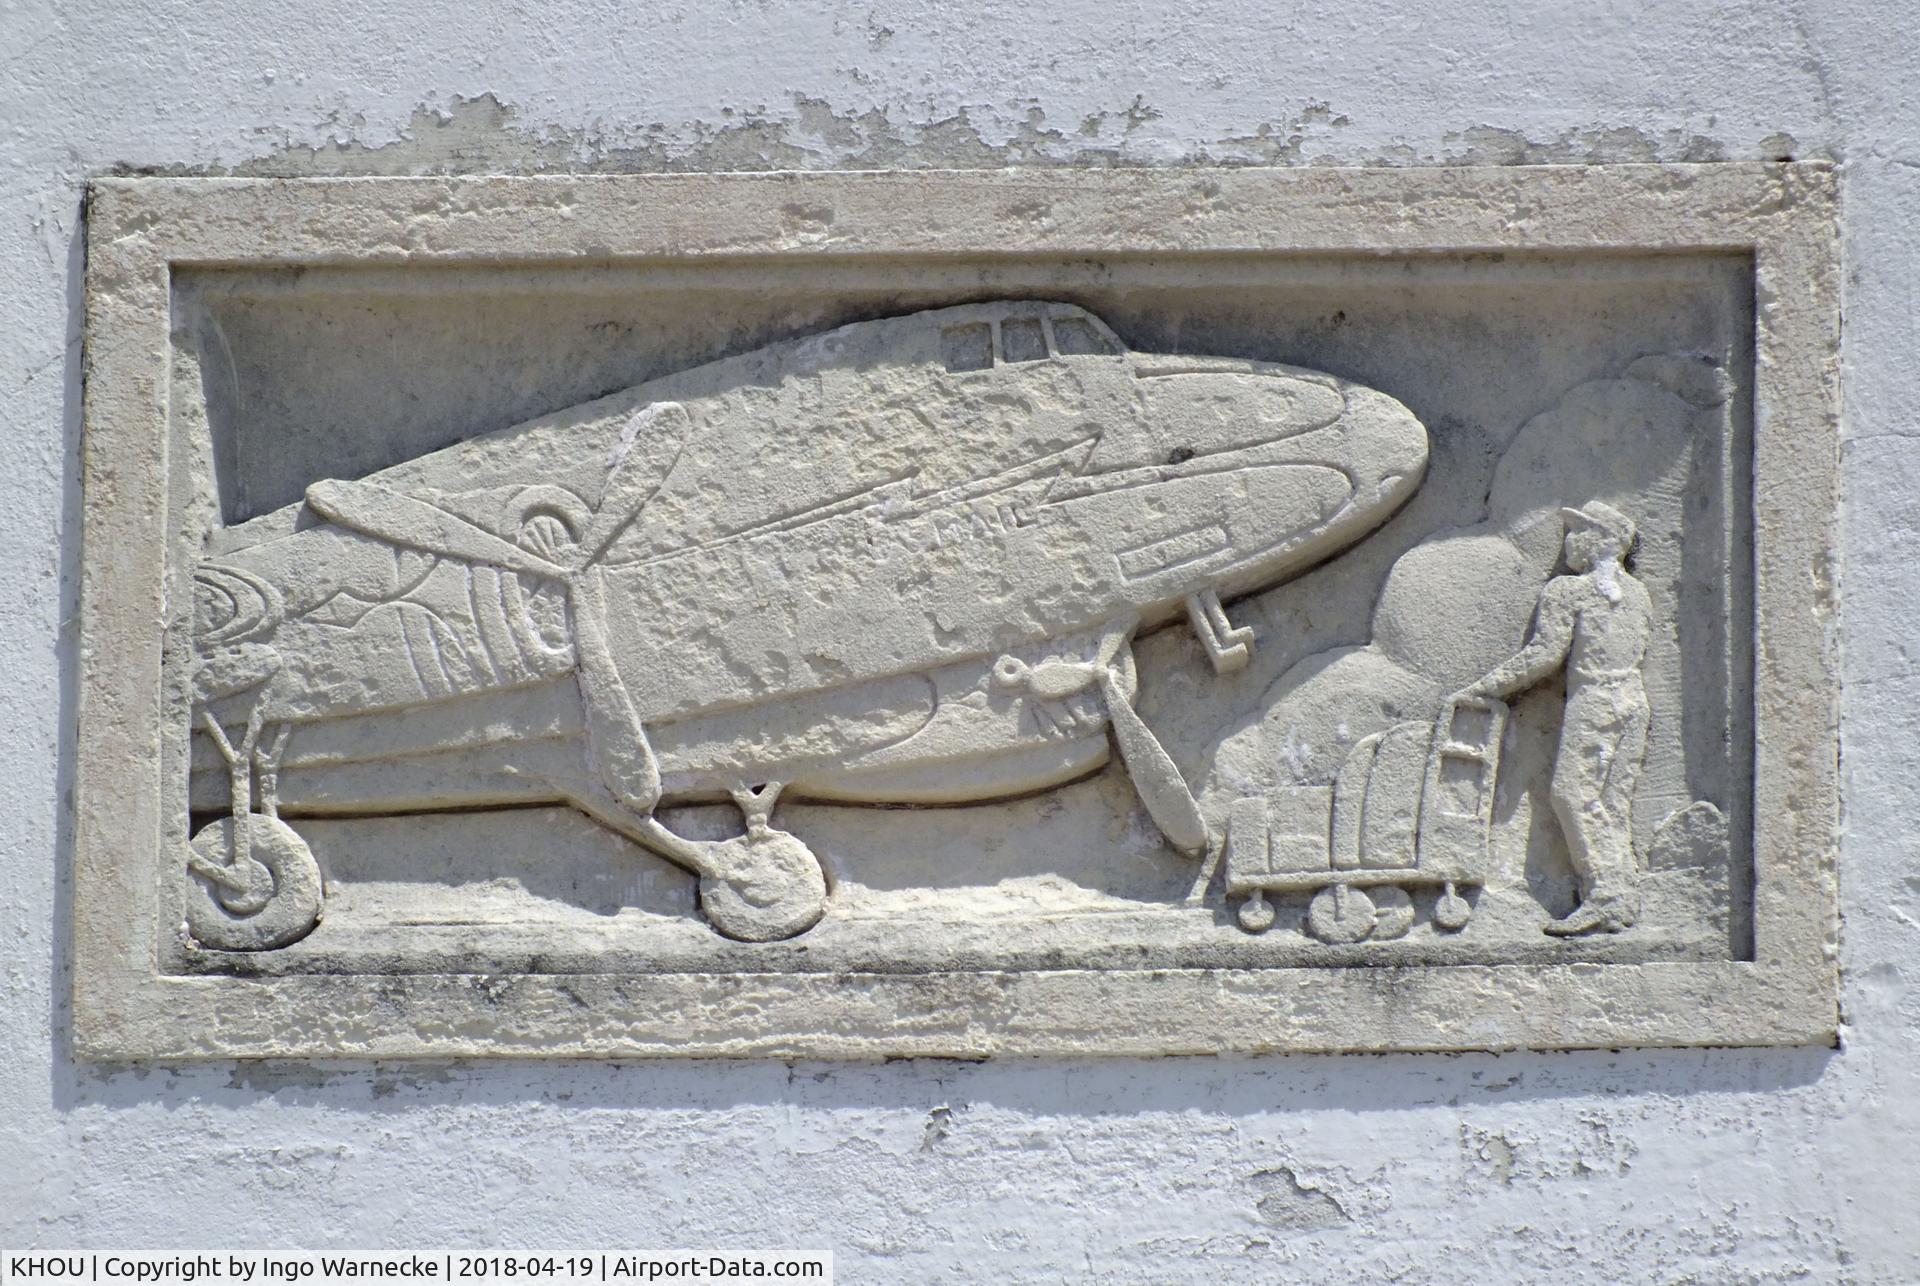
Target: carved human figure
(1595, 622)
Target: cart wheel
(1256, 913)
(1340, 913)
(1451, 911)
(1394, 916)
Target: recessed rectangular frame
(140, 231)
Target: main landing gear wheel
(766, 887)
(272, 899)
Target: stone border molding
(129, 1006)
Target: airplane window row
(967, 348)
(1078, 337)
(1021, 339)
(970, 347)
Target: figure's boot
(1601, 911)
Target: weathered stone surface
(1241, 687)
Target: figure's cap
(1599, 517)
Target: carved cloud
(1461, 600)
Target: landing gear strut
(257, 885)
(763, 886)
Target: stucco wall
(1700, 1166)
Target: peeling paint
(485, 134)
(1496, 1151)
(1293, 1205)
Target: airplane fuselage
(841, 537)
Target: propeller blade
(617, 745)
(1155, 776)
(403, 520)
(631, 484)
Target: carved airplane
(899, 562)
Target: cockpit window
(967, 348)
(1022, 340)
(1078, 337)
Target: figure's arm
(1545, 651)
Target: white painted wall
(1710, 1166)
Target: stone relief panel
(906, 562)
(1117, 617)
